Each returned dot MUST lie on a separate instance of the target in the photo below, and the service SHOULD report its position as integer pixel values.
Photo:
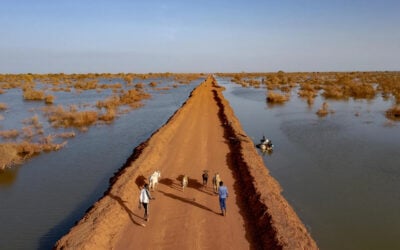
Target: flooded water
(341, 173)
(44, 197)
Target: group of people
(219, 188)
(222, 190)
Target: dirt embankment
(203, 134)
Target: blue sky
(71, 36)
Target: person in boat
(264, 140)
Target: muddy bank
(270, 222)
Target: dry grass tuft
(33, 95)
(86, 85)
(139, 85)
(66, 135)
(9, 134)
(49, 99)
(334, 92)
(132, 96)
(110, 103)
(3, 106)
(34, 121)
(361, 90)
(15, 153)
(28, 132)
(323, 111)
(393, 113)
(109, 116)
(274, 97)
(58, 117)
(8, 156)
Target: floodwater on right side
(340, 172)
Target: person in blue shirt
(223, 194)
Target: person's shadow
(186, 200)
(130, 213)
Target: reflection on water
(340, 173)
(42, 199)
(8, 176)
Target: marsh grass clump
(66, 135)
(3, 106)
(8, 156)
(393, 113)
(132, 96)
(111, 86)
(361, 90)
(108, 116)
(273, 97)
(28, 132)
(9, 134)
(324, 111)
(15, 153)
(308, 92)
(139, 85)
(111, 102)
(59, 117)
(27, 149)
(49, 99)
(334, 92)
(86, 85)
(33, 95)
(34, 121)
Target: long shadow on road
(188, 201)
(130, 213)
(192, 183)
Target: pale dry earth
(203, 135)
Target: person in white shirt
(144, 200)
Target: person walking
(205, 178)
(223, 194)
(144, 200)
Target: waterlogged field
(43, 196)
(39, 113)
(336, 143)
(336, 156)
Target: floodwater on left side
(42, 198)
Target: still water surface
(341, 173)
(42, 199)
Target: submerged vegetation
(393, 113)
(60, 102)
(329, 85)
(75, 102)
(273, 97)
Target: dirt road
(202, 135)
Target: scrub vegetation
(74, 102)
(328, 85)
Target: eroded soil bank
(203, 134)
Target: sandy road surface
(190, 219)
(202, 135)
